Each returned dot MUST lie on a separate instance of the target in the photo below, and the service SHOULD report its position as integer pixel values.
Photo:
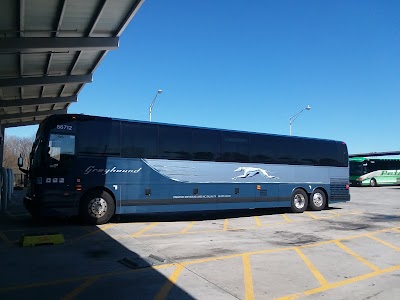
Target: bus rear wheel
(299, 201)
(373, 182)
(318, 200)
(97, 207)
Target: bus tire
(97, 207)
(317, 200)
(298, 201)
(373, 182)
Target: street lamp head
(159, 91)
(308, 107)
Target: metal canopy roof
(49, 49)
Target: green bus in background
(374, 171)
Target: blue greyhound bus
(96, 167)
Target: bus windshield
(356, 168)
(61, 148)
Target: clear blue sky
(251, 65)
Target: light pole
(291, 120)
(154, 100)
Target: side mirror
(20, 161)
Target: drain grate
(139, 262)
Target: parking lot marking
(383, 242)
(347, 238)
(396, 229)
(226, 227)
(92, 232)
(258, 222)
(166, 288)
(74, 279)
(287, 219)
(248, 278)
(352, 253)
(187, 228)
(226, 224)
(177, 233)
(340, 283)
(327, 286)
(317, 274)
(144, 229)
(80, 288)
(208, 259)
(311, 215)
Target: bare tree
(13, 147)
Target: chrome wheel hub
(299, 201)
(97, 207)
(318, 199)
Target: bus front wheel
(299, 201)
(318, 200)
(97, 207)
(373, 182)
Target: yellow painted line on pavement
(92, 232)
(258, 222)
(396, 229)
(291, 297)
(317, 274)
(384, 242)
(332, 212)
(166, 288)
(340, 283)
(177, 233)
(144, 230)
(248, 278)
(226, 224)
(312, 215)
(352, 253)
(226, 227)
(294, 296)
(187, 228)
(74, 279)
(104, 227)
(312, 291)
(287, 219)
(80, 288)
(208, 259)
(346, 238)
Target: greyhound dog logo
(250, 172)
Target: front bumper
(51, 205)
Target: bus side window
(175, 142)
(206, 144)
(235, 147)
(139, 140)
(99, 138)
